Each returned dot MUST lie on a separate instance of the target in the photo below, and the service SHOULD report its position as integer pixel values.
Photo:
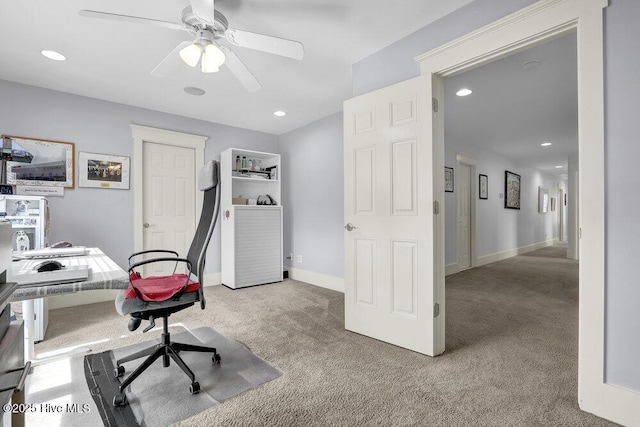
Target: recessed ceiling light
(464, 92)
(279, 113)
(558, 167)
(195, 91)
(545, 144)
(52, 54)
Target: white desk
(104, 274)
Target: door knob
(350, 227)
(147, 225)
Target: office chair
(156, 297)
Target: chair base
(167, 350)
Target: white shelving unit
(29, 218)
(251, 233)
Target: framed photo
(38, 162)
(483, 187)
(448, 179)
(543, 200)
(511, 190)
(103, 171)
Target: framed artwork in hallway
(511, 190)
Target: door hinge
(436, 310)
(436, 207)
(434, 104)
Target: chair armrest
(149, 251)
(164, 259)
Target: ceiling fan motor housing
(197, 24)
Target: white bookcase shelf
(251, 232)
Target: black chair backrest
(208, 218)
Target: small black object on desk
(50, 265)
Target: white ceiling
(112, 60)
(513, 110)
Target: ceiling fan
(209, 26)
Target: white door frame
(471, 162)
(142, 134)
(535, 24)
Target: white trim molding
(142, 134)
(533, 25)
(317, 279)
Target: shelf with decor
(251, 227)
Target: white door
(389, 293)
(463, 188)
(169, 204)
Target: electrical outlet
(290, 255)
(299, 258)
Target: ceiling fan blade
(238, 69)
(127, 18)
(171, 62)
(270, 44)
(204, 9)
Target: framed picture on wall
(553, 204)
(38, 162)
(543, 200)
(103, 171)
(448, 179)
(511, 190)
(483, 187)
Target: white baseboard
(618, 404)
(488, 259)
(451, 269)
(317, 279)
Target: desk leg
(28, 315)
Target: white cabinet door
(388, 164)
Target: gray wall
(622, 153)
(395, 62)
(96, 217)
(313, 196)
(500, 229)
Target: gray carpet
(160, 396)
(511, 356)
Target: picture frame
(103, 171)
(511, 190)
(553, 204)
(448, 179)
(543, 200)
(483, 187)
(38, 162)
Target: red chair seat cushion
(158, 288)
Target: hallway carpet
(511, 355)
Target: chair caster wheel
(194, 388)
(118, 372)
(120, 399)
(216, 359)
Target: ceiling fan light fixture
(191, 54)
(212, 59)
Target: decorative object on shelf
(448, 179)
(103, 171)
(273, 172)
(543, 200)
(483, 190)
(511, 190)
(266, 200)
(38, 162)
